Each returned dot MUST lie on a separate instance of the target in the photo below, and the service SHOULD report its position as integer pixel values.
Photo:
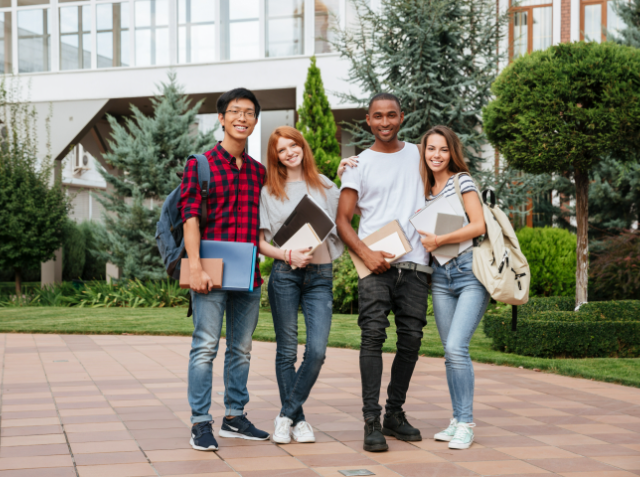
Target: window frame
(529, 9)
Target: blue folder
(239, 261)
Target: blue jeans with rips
(242, 318)
(459, 302)
(312, 288)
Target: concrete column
(112, 273)
(51, 271)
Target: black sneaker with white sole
(242, 428)
(202, 437)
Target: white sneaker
(448, 433)
(463, 437)
(282, 433)
(303, 432)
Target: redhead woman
(292, 173)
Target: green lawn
(344, 334)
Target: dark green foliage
(317, 124)
(94, 266)
(439, 57)
(73, 251)
(265, 266)
(552, 329)
(615, 267)
(146, 152)
(345, 285)
(566, 107)
(33, 211)
(551, 253)
(629, 11)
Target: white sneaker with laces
(282, 433)
(303, 432)
(448, 433)
(463, 437)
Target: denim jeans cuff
(203, 418)
(233, 412)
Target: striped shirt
(466, 185)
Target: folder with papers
(212, 266)
(305, 237)
(239, 262)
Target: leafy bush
(73, 251)
(551, 253)
(615, 268)
(345, 285)
(94, 265)
(548, 327)
(265, 266)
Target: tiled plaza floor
(115, 406)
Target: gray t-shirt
(273, 211)
(389, 188)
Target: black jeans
(405, 293)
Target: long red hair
(277, 172)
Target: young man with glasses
(234, 216)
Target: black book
(306, 212)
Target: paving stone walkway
(115, 406)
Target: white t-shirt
(389, 188)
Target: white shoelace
(303, 427)
(453, 423)
(284, 425)
(463, 430)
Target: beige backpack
(498, 262)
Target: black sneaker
(241, 427)
(202, 437)
(374, 441)
(395, 424)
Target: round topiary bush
(551, 253)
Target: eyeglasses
(234, 113)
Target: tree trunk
(582, 219)
(18, 284)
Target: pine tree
(33, 210)
(437, 56)
(629, 12)
(317, 124)
(146, 152)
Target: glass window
(75, 38)
(28, 3)
(196, 32)
(353, 13)
(152, 32)
(542, 31)
(520, 33)
(285, 27)
(112, 22)
(240, 29)
(593, 22)
(5, 3)
(34, 36)
(5, 43)
(614, 22)
(326, 19)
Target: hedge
(549, 328)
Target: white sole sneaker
(211, 448)
(237, 435)
(460, 445)
(303, 440)
(281, 440)
(441, 436)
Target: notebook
(239, 262)
(445, 224)
(306, 212)
(305, 237)
(213, 266)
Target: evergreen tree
(146, 152)
(316, 122)
(439, 57)
(629, 12)
(33, 209)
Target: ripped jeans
(312, 289)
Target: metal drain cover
(356, 472)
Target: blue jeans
(312, 288)
(459, 301)
(242, 317)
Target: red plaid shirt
(234, 199)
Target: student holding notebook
(459, 299)
(291, 174)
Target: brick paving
(115, 406)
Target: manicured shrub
(74, 251)
(614, 271)
(94, 265)
(551, 253)
(598, 329)
(345, 285)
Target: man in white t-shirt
(386, 186)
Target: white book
(390, 244)
(305, 237)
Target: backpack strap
(204, 178)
